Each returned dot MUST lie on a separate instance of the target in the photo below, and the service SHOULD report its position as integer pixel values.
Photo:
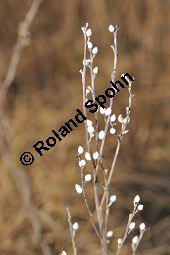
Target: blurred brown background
(46, 92)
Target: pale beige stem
(71, 232)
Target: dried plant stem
(113, 74)
(22, 41)
(127, 231)
(104, 222)
(111, 171)
(22, 182)
(87, 204)
(101, 199)
(71, 232)
(95, 181)
(84, 90)
(92, 77)
(139, 239)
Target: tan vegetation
(44, 93)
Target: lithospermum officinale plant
(90, 156)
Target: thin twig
(113, 74)
(22, 41)
(71, 232)
(134, 249)
(131, 216)
(95, 180)
(5, 143)
(87, 204)
(111, 171)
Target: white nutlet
(89, 32)
(95, 70)
(89, 123)
(142, 226)
(95, 155)
(112, 131)
(132, 225)
(126, 120)
(112, 200)
(108, 111)
(75, 226)
(89, 45)
(136, 199)
(120, 118)
(78, 188)
(95, 50)
(87, 91)
(111, 28)
(80, 150)
(140, 207)
(101, 134)
(63, 253)
(119, 241)
(87, 177)
(113, 118)
(109, 233)
(102, 110)
(135, 239)
(82, 163)
(90, 129)
(87, 156)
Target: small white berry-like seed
(89, 45)
(112, 131)
(109, 233)
(78, 188)
(111, 28)
(140, 207)
(95, 70)
(120, 118)
(87, 156)
(101, 134)
(89, 123)
(90, 129)
(126, 120)
(102, 110)
(95, 50)
(82, 163)
(136, 199)
(63, 253)
(113, 118)
(75, 226)
(113, 198)
(108, 111)
(135, 240)
(87, 91)
(95, 155)
(142, 226)
(119, 240)
(132, 225)
(80, 150)
(88, 177)
(89, 32)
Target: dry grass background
(46, 92)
